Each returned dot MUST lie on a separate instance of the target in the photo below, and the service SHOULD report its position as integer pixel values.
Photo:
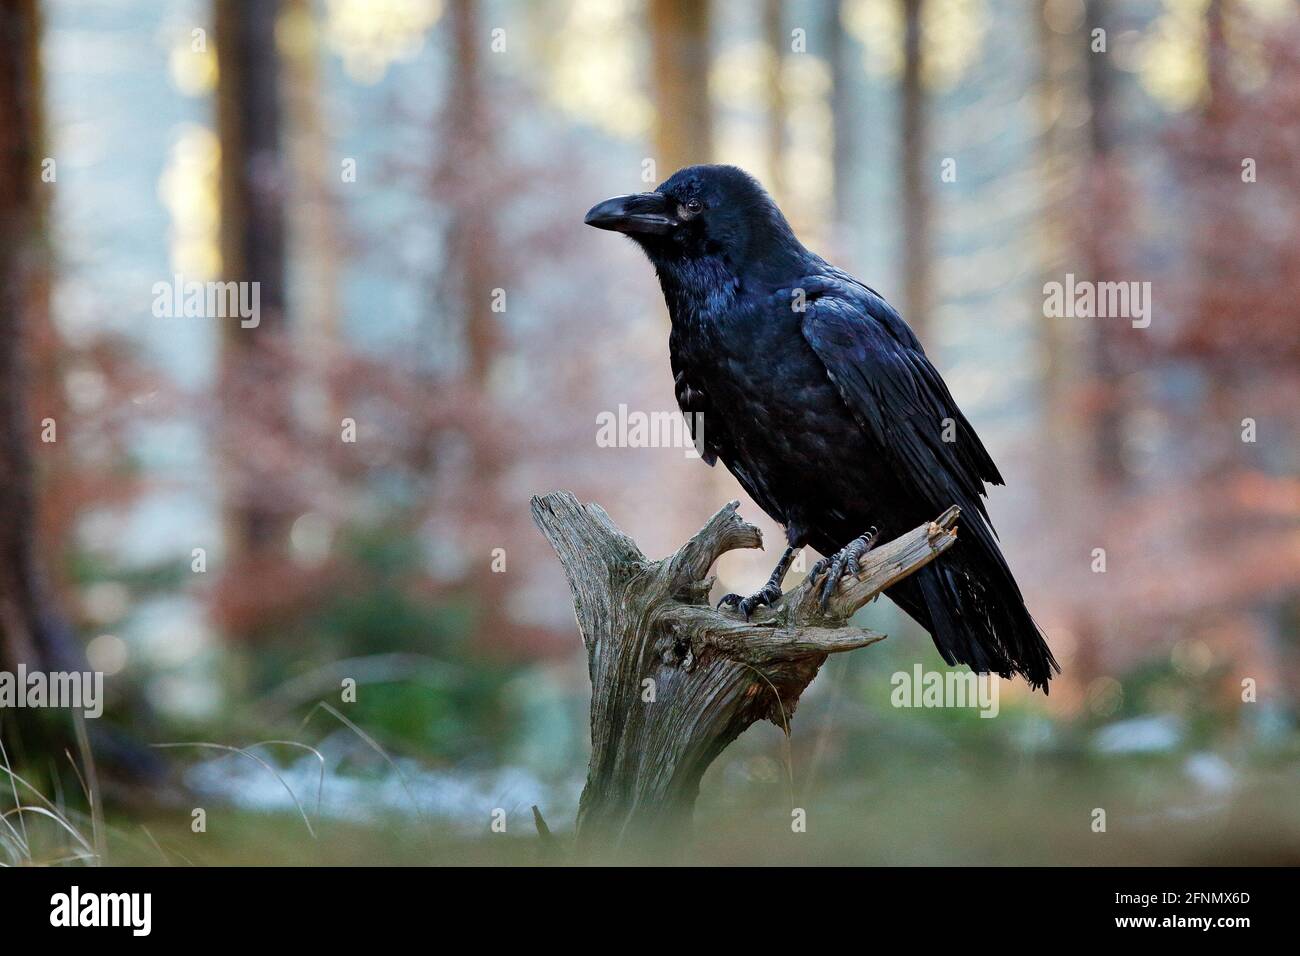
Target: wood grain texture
(675, 680)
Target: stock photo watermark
(660, 429)
(941, 689)
(1083, 299)
(63, 690)
(208, 300)
(75, 908)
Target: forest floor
(929, 815)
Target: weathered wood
(675, 680)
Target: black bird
(818, 397)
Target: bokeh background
(407, 179)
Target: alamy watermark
(635, 429)
(133, 911)
(68, 690)
(1082, 299)
(208, 300)
(922, 688)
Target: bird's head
(717, 211)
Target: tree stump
(674, 680)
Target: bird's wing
(694, 404)
(884, 377)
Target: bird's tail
(972, 607)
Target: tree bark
(674, 680)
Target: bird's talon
(747, 606)
(844, 561)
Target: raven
(819, 399)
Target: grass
(925, 795)
(908, 816)
(68, 836)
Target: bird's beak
(638, 214)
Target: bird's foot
(769, 595)
(842, 562)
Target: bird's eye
(693, 206)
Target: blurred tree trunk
(313, 224)
(1216, 297)
(1102, 250)
(255, 401)
(683, 124)
(777, 44)
(1063, 464)
(467, 186)
(1058, 64)
(1216, 58)
(33, 631)
(469, 181)
(914, 161)
(844, 118)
